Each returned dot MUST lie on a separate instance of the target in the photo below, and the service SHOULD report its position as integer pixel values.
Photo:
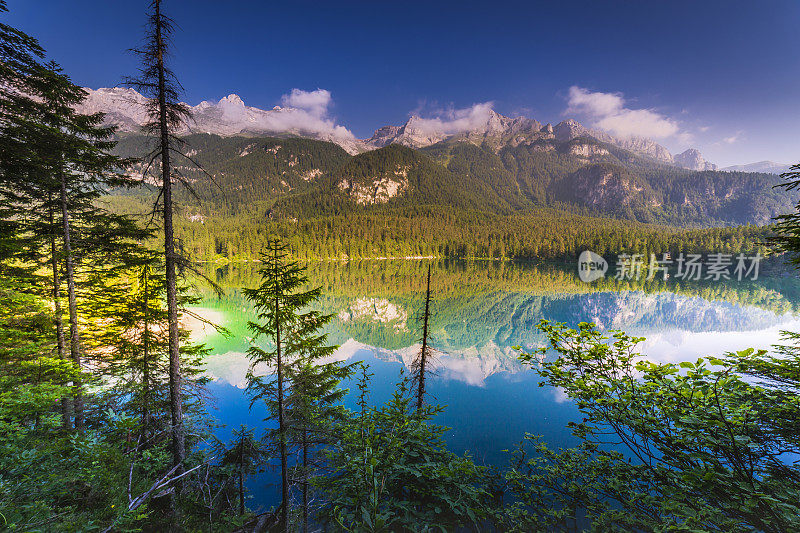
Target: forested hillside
(545, 200)
(314, 178)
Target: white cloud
(306, 111)
(607, 111)
(314, 102)
(452, 121)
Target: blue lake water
(481, 311)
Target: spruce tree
(421, 366)
(55, 164)
(301, 391)
(76, 152)
(20, 57)
(313, 405)
(167, 115)
(787, 229)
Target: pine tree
(245, 455)
(167, 114)
(421, 368)
(313, 408)
(302, 391)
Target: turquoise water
(481, 312)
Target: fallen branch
(162, 483)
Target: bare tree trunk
(146, 355)
(305, 480)
(423, 356)
(58, 318)
(281, 422)
(176, 409)
(74, 337)
(241, 474)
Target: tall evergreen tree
(20, 167)
(75, 149)
(421, 368)
(167, 114)
(55, 164)
(787, 238)
(313, 405)
(300, 391)
(20, 56)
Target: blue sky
(722, 76)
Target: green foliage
(280, 303)
(787, 229)
(709, 445)
(710, 449)
(458, 200)
(303, 396)
(392, 472)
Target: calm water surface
(481, 311)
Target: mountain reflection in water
(482, 310)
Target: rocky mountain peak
(693, 160)
(125, 109)
(569, 129)
(232, 99)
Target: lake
(481, 311)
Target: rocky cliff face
(230, 116)
(693, 160)
(418, 132)
(605, 187)
(377, 189)
(415, 133)
(571, 129)
(385, 136)
(124, 109)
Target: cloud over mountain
(306, 111)
(607, 111)
(453, 121)
(303, 112)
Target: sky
(721, 76)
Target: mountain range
(293, 163)
(768, 167)
(294, 178)
(230, 116)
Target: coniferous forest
(105, 425)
